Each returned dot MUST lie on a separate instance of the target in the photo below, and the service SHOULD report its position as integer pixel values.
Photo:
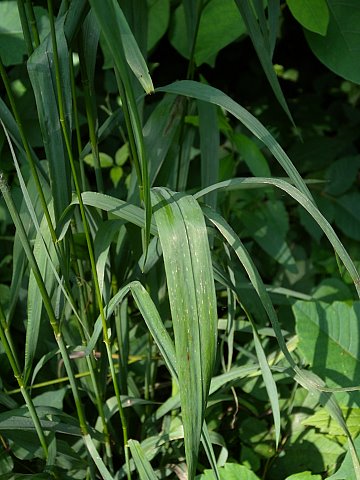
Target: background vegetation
(178, 295)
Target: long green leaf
(260, 39)
(41, 73)
(192, 299)
(142, 464)
(217, 97)
(117, 31)
(304, 201)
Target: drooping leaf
(258, 30)
(116, 31)
(213, 95)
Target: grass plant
(151, 309)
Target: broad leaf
(220, 24)
(329, 339)
(230, 471)
(323, 422)
(311, 14)
(339, 48)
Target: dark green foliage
(179, 229)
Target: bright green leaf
(116, 174)
(230, 471)
(304, 476)
(122, 155)
(191, 290)
(105, 160)
(326, 424)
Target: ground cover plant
(179, 215)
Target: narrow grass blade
(117, 32)
(40, 68)
(35, 302)
(159, 132)
(155, 325)
(119, 208)
(187, 259)
(269, 381)
(207, 444)
(304, 201)
(261, 44)
(96, 458)
(103, 239)
(209, 147)
(217, 97)
(142, 464)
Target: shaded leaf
(339, 48)
(329, 339)
(220, 24)
(311, 14)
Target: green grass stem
(32, 20)
(25, 27)
(19, 378)
(87, 235)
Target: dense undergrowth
(178, 295)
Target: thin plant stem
(46, 300)
(32, 19)
(25, 27)
(19, 378)
(87, 235)
(6, 330)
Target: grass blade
(262, 46)
(186, 252)
(209, 147)
(142, 464)
(40, 68)
(217, 97)
(117, 32)
(304, 201)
